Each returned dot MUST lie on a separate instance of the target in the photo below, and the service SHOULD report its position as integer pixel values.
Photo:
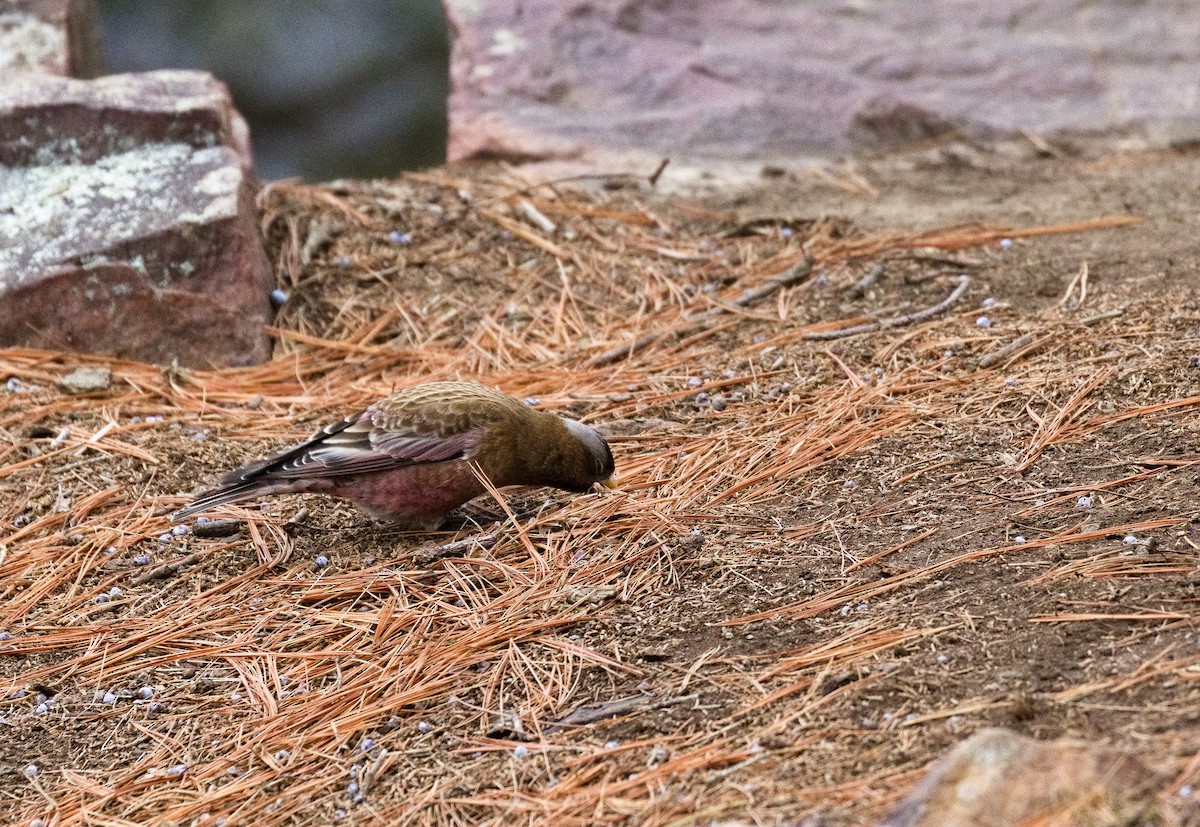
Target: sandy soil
(831, 559)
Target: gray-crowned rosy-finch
(408, 457)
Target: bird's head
(597, 459)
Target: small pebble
(850, 485)
(339, 813)
(236, 697)
(108, 698)
(1019, 539)
(1130, 540)
(177, 770)
(352, 789)
(282, 755)
(100, 599)
(719, 403)
(141, 560)
(943, 659)
(342, 261)
(367, 745)
(166, 538)
(1039, 502)
(22, 520)
(156, 708)
(17, 694)
(612, 744)
(320, 561)
(397, 237)
(988, 302)
(5, 635)
(146, 693)
(1186, 791)
(983, 321)
(424, 726)
(180, 530)
(31, 770)
(154, 419)
(520, 751)
(695, 382)
(1006, 243)
(278, 298)
(786, 232)
(41, 709)
(203, 520)
(13, 384)
(115, 591)
(1084, 502)
(531, 401)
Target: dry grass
(387, 690)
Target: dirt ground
(830, 559)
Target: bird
(415, 455)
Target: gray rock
(86, 379)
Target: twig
(896, 321)
(453, 549)
(860, 287)
(166, 569)
(217, 528)
(1000, 354)
(662, 165)
(585, 715)
(1100, 317)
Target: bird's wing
(370, 441)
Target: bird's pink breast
(418, 493)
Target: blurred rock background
(331, 88)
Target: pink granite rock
(734, 79)
(127, 220)
(997, 778)
(56, 37)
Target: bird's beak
(610, 483)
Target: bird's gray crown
(595, 444)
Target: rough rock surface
(756, 79)
(57, 37)
(997, 778)
(127, 221)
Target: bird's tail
(232, 493)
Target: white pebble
(520, 751)
(320, 561)
(1186, 791)
(850, 485)
(177, 770)
(1130, 540)
(1084, 502)
(612, 744)
(115, 591)
(146, 693)
(31, 770)
(1006, 243)
(990, 301)
(108, 698)
(1019, 539)
(282, 755)
(13, 384)
(5, 635)
(983, 321)
(180, 530)
(424, 726)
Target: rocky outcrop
(127, 220)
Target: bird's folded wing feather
(359, 445)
